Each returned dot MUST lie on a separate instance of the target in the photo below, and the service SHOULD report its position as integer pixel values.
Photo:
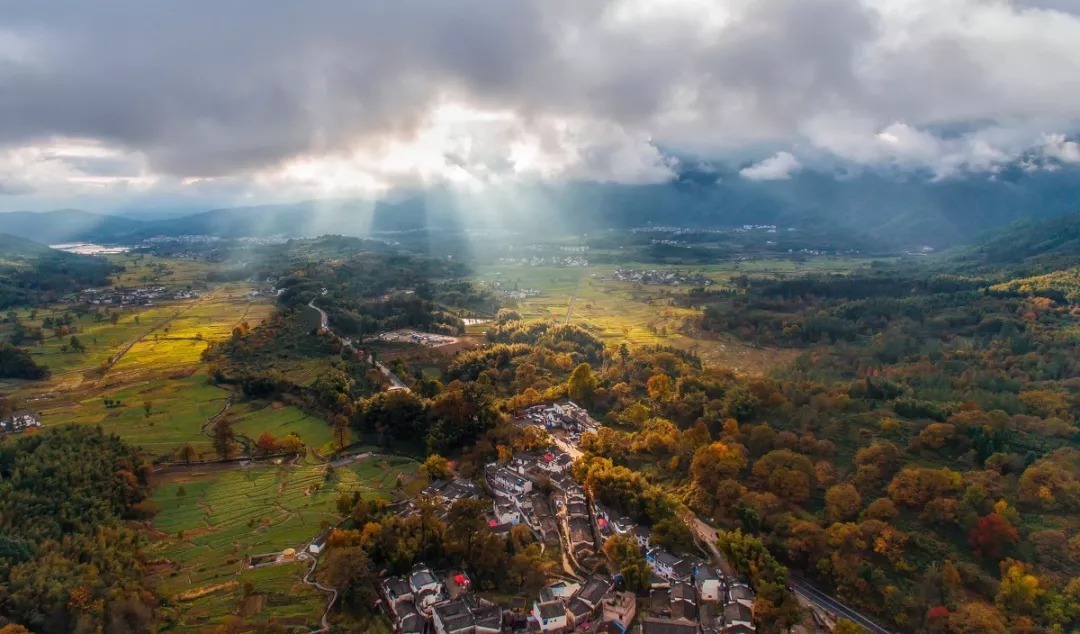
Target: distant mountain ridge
(887, 209)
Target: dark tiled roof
(550, 610)
(650, 625)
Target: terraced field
(211, 522)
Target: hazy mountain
(891, 209)
(15, 248)
(68, 225)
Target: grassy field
(211, 522)
(150, 359)
(640, 315)
(253, 418)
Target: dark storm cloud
(233, 88)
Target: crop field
(144, 270)
(211, 522)
(156, 386)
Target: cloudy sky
(203, 103)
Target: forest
(32, 273)
(68, 560)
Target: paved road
(324, 321)
(831, 605)
(707, 534)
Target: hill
(32, 272)
(14, 249)
(68, 225)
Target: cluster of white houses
(134, 296)
(568, 415)
(18, 423)
(418, 604)
(688, 596)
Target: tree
(114, 318)
(292, 443)
(991, 534)
(76, 345)
(785, 473)
(348, 569)
(842, 503)
(187, 453)
(1020, 589)
(436, 467)
(224, 437)
(625, 552)
(661, 388)
(341, 430)
(147, 406)
(267, 443)
(976, 618)
(844, 626)
(582, 384)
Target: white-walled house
(551, 616)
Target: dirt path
(320, 587)
(573, 298)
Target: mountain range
(890, 209)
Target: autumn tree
(976, 618)
(348, 569)
(991, 534)
(187, 453)
(435, 467)
(624, 551)
(1020, 589)
(582, 384)
(661, 388)
(341, 430)
(785, 473)
(842, 502)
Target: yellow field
(149, 362)
(643, 315)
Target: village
(142, 296)
(19, 422)
(658, 277)
(688, 593)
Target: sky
(128, 104)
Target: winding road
(707, 534)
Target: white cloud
(775, 168)
(1059, 148)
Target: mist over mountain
(890, 209)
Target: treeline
(48, 277)
(455, 418)
(67, 561)
(16, 363)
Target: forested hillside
(32, 272)
(68, 563)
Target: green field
(155, 355)
(252, 419)
(210, 523)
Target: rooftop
(550, 610)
